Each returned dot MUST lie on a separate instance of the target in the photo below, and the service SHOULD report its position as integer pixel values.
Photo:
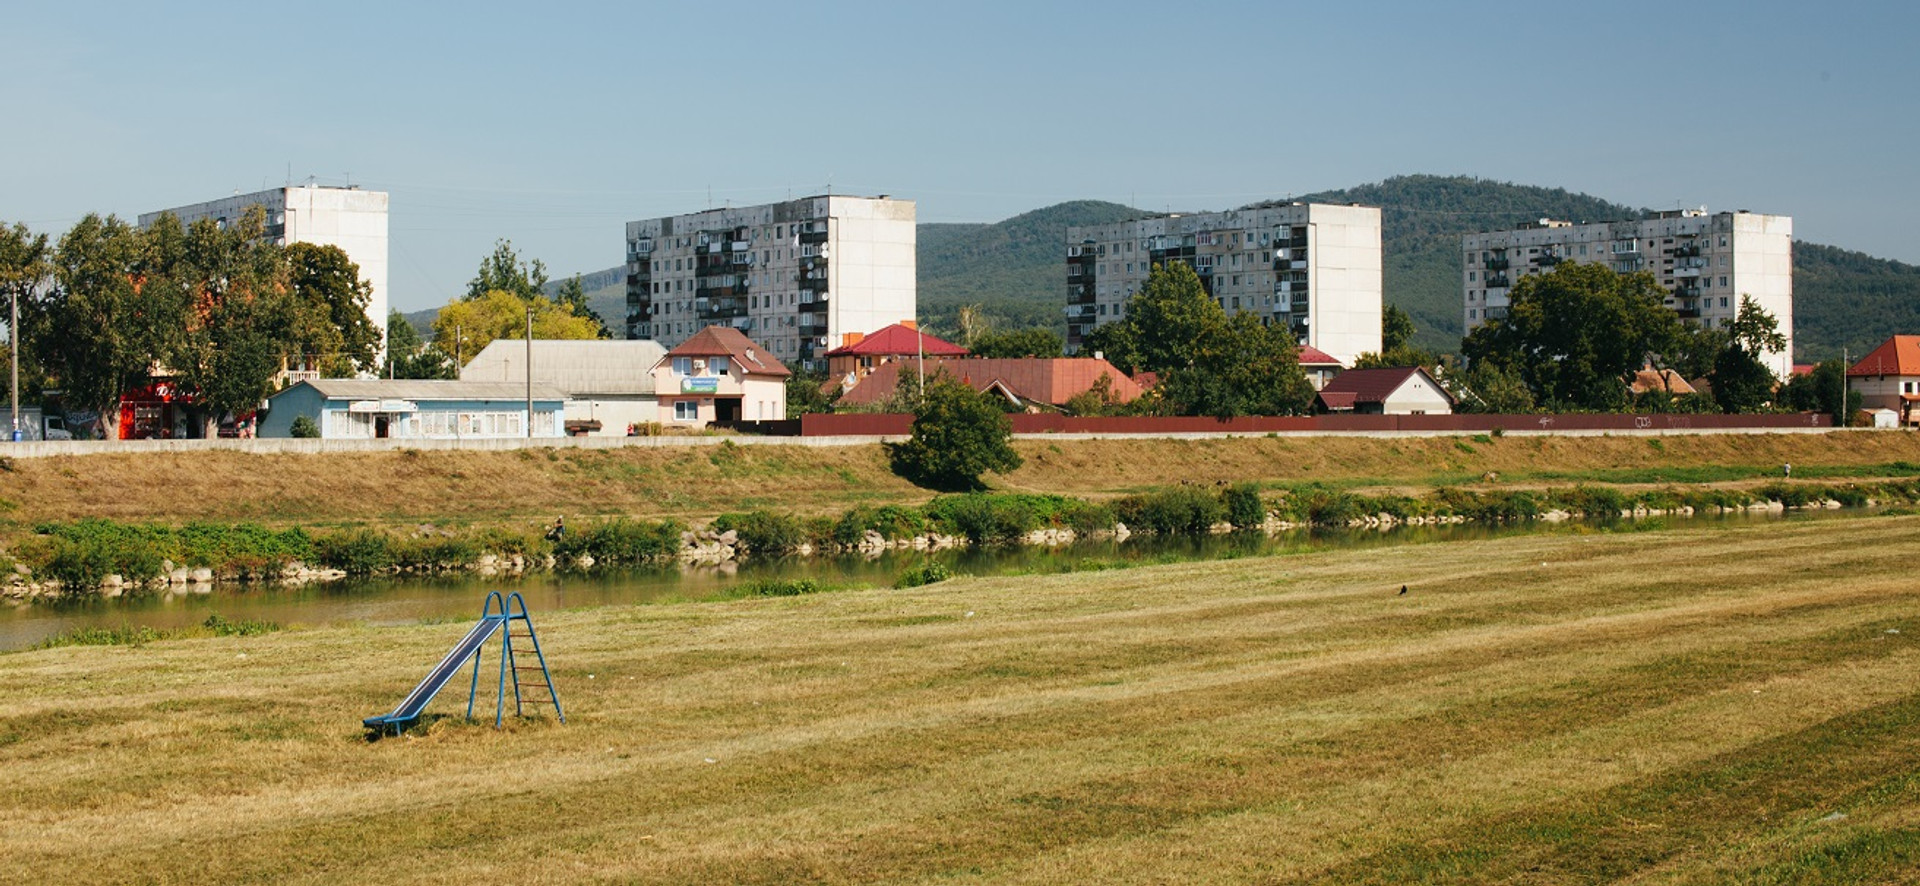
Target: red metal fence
(874, 425)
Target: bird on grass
(1403, 590)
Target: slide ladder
(510, 622)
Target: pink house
(719, 375)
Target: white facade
(350, 218)
(1706, 262)
(1314, 267)
(608, 384)
(797, 276)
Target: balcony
(810, 327)
(1498, 281)
(1547, 259)
(1497, 264)
(1495, 312)
(1079, 312)
(1686, 250)
(720, 308)
(819, 236)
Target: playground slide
(416, 701)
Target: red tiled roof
(1898, 355)
(726, 341)
(1371, 385)
(1312, 356)
(898, 340)
(1042, 380)
(1660, 380)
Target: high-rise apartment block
(796, 277)
(1707, 262)
(1312, 267)
(350, 218)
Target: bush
(303, 427)
(621, 540)
(220, 627)
(1245, 510)
(891, 522)
(958, 434)
(982, 519)
(776, 587)
(81, 555)
(764, 532)
(1086, 517)
(360, 551)
(924, 574)
(1189, 510)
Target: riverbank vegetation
(1730, 704)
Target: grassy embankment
(1720, 705)
(529, 487)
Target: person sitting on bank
(558, 530)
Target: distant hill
(1015, 269)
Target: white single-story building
(719, 375)
(1405, 390)
(414, 409)
(609, 385)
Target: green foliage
(573, 296)
(95, 330)
(806, 394)
(1245, 509)
(781, 587)
(1575, 335)
(303, 426)
(1241, 367)
(330, 329)
(1010, 270)
(124, 635)
(621, 541)
(504, 271)
(764, 533)
(359, 551)
(1819, 391)
(892, 522)
(984, 519)
(1175, 510)
(1036, 342)
(409, 357)
(958, 434)
(924, 574)
(80, 555)
(222, 627)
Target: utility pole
(1839, 412)
(529, 371)
(13, 350)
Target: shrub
(778, 587)
(1086, 517)
(82, 554)
(1190, 510)
(764, 532)
(303, 426)
(1245, 510)
(891, 522)
(958, 434)
(361, 551)
(982, 519)
(925, 574)
(224, 628)
(621, 540)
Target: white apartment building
(797, 276)
(1314, 267)
(1706, 262)
(350, 218)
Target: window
(683, 366)
(686, 410)
(1723, 282)
(1723, 301)
(1471, 276)
(716, 366)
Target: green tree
(1164, 320)
(1576, 334)
(1741, 382)
(409, 357)
(958, 434)
(1242, 367)
(1019, 343)
(465, 327)
(25, 265)
(806, 394)
(239, 326)
(1396, 329)
(107, 319)
(1489, 388)
(574, 296)
(504, 271)
(331, 330)
(1819, 391)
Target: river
(388, 601)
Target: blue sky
(552, 124)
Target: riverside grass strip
(1674, 706)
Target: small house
(719, 376)
(1405, 390)
(608, 384)
(415, 409)
(1888, 377)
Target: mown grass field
(1709, 705)
(529, 487)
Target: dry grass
(699, 483)
(1661, 707)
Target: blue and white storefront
(416, 409)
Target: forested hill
(1015, 269)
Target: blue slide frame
(493, 621)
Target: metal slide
(470, 648)
(416, 701)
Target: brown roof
(726, 341)
(1371, 385)
(1898, 355)
(899, 340)
(1042, 380)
